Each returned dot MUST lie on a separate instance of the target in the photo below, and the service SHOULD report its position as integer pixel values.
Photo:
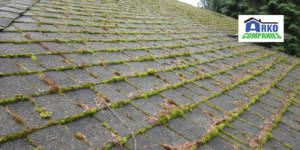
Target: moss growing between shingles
(268, 103)
(215, 107)
(257, 114)
(30, 141)
(181, 75)
(249, 123)
(109, 128)
(170, 101)
(89, 112)
(117, 73)
(37, 148)
(20, 66)
(163, 119)
(132, 84)
(176, 113)
(81, 137)
(119, 103)
(72, 88)
(277, 117)
(265, 139)
(211, 134)
(287, 145)
(144, 112)
(33, 58)
(16, 135)
(236, 146)
(106, 147)
(143, 130)
(116, 62)
(92, 74)
(113, 79)
(176, 132)
(130, 117)
(15, 99)
(145, 95)
(233, 137)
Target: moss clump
(38, 148)
(43, 112)
(54, 88)
(30, 141)
(288, 146)
(130, 117)
(33, 58)
(181, 74)
(151, 71)
(80, 105)
(14, 136)
(79, 136)
(165, 80)
(109, 128)
(172, 102)
(12, 100)
(104, 97)
(177, 113)
(142, 130)
(18, 118)
(157, 76)
(119, 104)
(117, 73)
(163, 119)
(89, 112)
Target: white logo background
(263, 18)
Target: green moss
(248, 123)
(163, 119)
(79, 136)
(16, 135)
(109, 128)
(119, 104)
(177, 113)
(235, 138)
(37, 148)
(143, 130)
(206, 138)
(107, 147)
(117, 73)
(89, 112)
(30, 141)
(243, 133)
(45, 114)
(130, 117)
(288, 146)
(12, 100)
(181, 75)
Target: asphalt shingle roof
(70, 70)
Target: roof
(259, 21)
(115, 74)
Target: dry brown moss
(18, 119)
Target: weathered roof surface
(166, 69)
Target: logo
(261, 28)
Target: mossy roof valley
(139, 74)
